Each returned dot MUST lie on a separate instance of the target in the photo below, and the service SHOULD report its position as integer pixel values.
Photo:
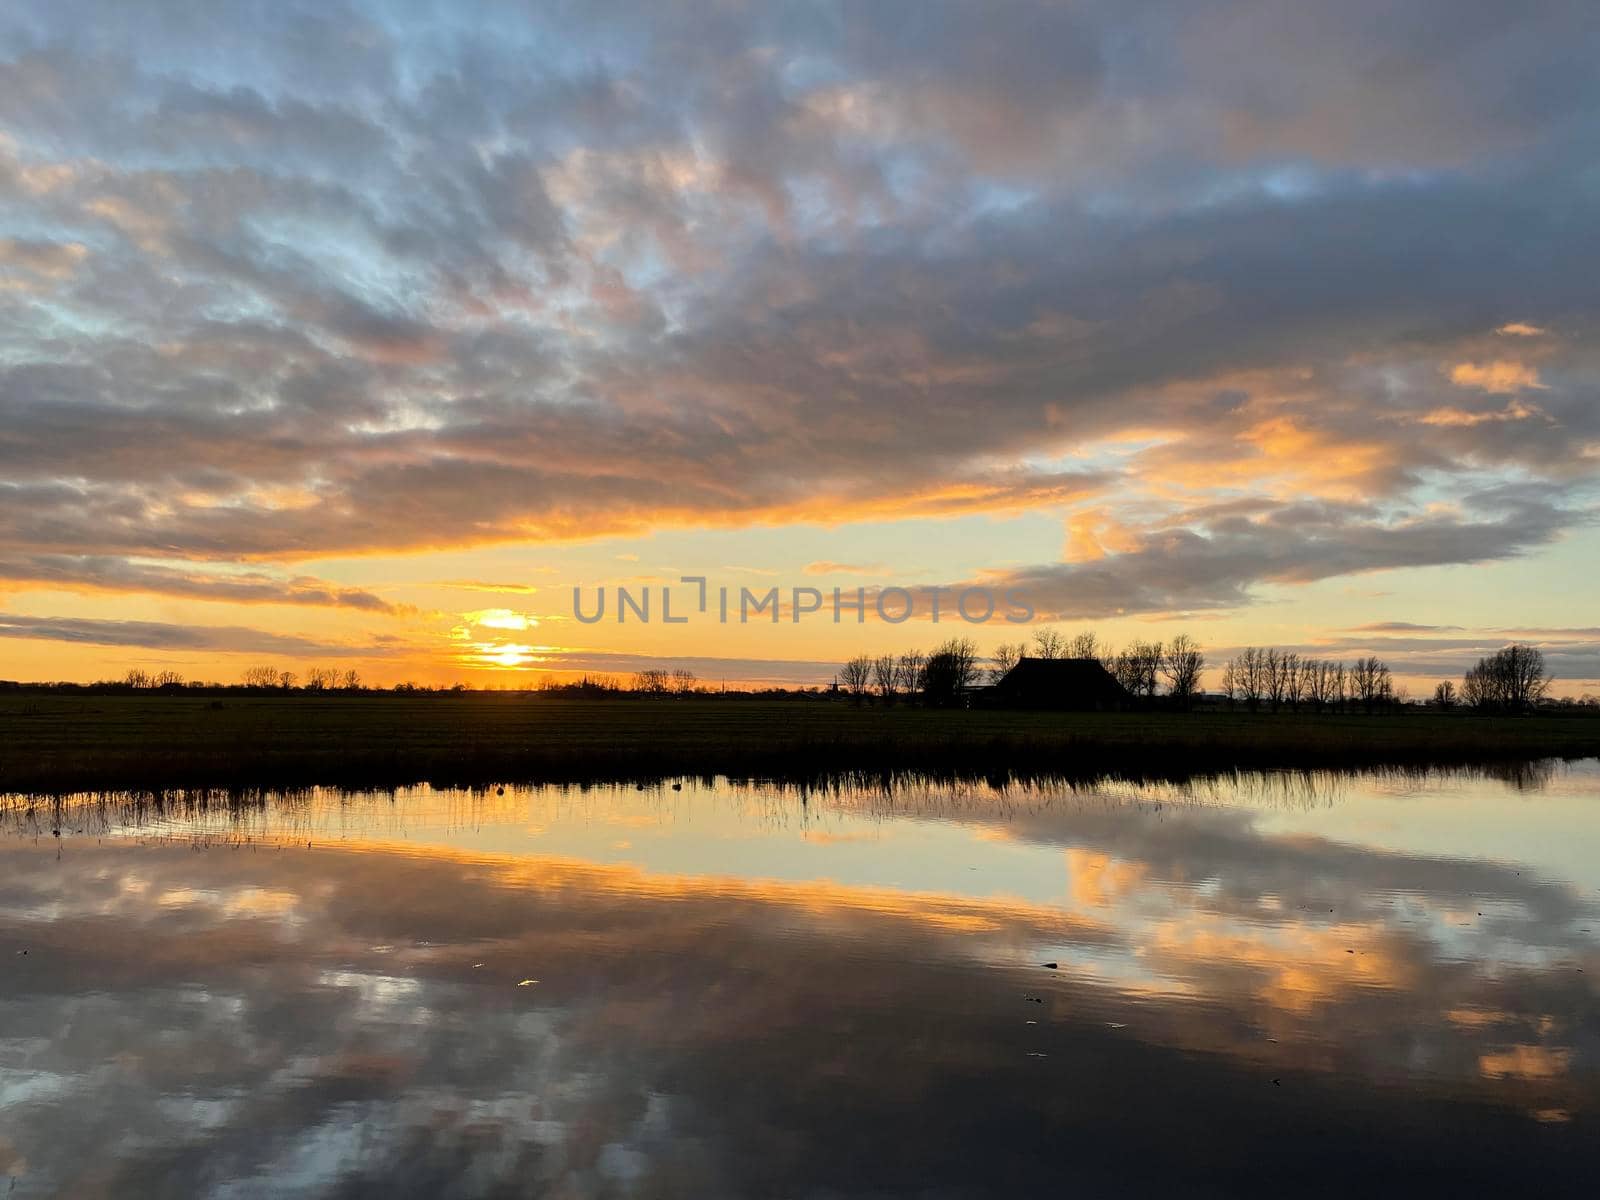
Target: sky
(360, 335)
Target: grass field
(60, 743)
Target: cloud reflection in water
(741, 994)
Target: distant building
(1078, 684)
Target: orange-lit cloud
(1500, 376)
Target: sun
(511, 656)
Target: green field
(59, 743)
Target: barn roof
(1084, 677)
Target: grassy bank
(51, 743)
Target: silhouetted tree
(886, 677)
(1182, 667)
(1371, 682)
(1005, 657)
(910, 670)
(1294, 680)
(1444, 696)
(1140, 668)
(652, 681)
(1049, 643)
(1317, 683)
(1277, 680)
(1509, 680)
(856, 676)
(1084, 645)
(684, 681)
(1247, 676)
(950, 671)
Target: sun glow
(506, 656)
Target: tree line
(1285, 679)
(1511, 680)
(938, 679)
(254, 679)
(943, 678)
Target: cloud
(1217, 559)
(500, 618)
(155, 635)
(1502, 375)
(103, 573)
(1515, 411)
(366, 288)
(1402, 627)
(28, 265)
(479, 585)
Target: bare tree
(1371, 682)
(1444, 696)
(1084, 645)
(1247, 675)
(886, 677)
(1293, 668)
(652, 681)
(1005, 657)
(136, 678)
(352, 680)
(910, 669)
(170, 680)
(1137, 668)
(1276, 680)
(1049, 643)
(321, 679)
(1146, 659)
(260, 677)
(1526, 681)
(950, 671)
(1513, 679)
(1183, 665)
(1317, 682)
(1123, 670)
(856, 676)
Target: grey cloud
(156, 635)
(246, 587)
(1216, 564)
(1402, 627)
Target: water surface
(1318, 982)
